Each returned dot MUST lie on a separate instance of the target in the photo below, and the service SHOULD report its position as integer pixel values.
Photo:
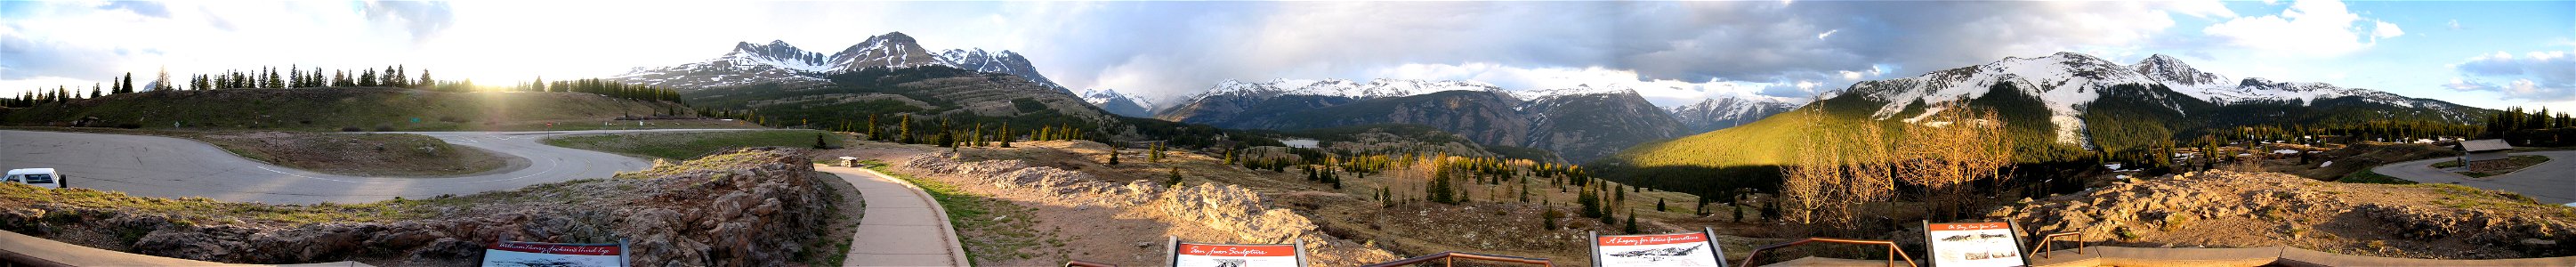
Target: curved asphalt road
(2552, 182)
(170, 167)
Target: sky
(2490, 54)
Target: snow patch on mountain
(777, 61)
(1373, 89)
(2065, 82)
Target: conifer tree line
(606, 88)
(2527, 127)
(294, 76)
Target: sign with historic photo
(1973, 244)
(1683, 249)
(533, 254)
(1235, 255)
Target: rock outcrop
(754, 207)
(2244, 209)
(1240, 211)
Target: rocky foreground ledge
(2226, 209)
(751, 207)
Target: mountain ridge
(779, 62)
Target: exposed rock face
(2218, 208)
(754, 208)
(1722, 113)
(1221, 208)
(1584, 127)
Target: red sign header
(1968, 226)
(1652, 239)
(1239, 250)
(559, 249)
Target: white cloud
(2308, 27)
(1821, 36)
(2384, 29)
(2538, 75)
(2455, 24)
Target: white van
(39, 177)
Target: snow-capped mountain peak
(2066, 82)
(1724, 112)
(892, 50)
(1099, 96)
(1005, 62)
(1579, 89)
(776, 53)
(1373, 89)
(776, 61)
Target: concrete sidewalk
(903, 225)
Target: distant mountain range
(1577, 123)
(1119, 103)
(2053, 106)
(778, 62)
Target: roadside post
(516, 253)
(1186, 254)
(1974, 244)
(1656, 250)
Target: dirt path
(2552, 182)
(903, 226)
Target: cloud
(1193, 45)
(423, 19)
(2455, 24)
(153, 9)
(2542, 76)
(2308, 27)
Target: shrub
(349, 129)
(384, 127)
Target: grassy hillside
(334, 109)
(687, 145)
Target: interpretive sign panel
(1682, 249)
(1974, 244)
(1237, 255)
(534, 254)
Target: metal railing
(2047, 241)
(1447, 258)
(1079, 263)
(1893, 252)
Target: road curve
(2552, 182)
(156, 166)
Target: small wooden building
(2487, 155)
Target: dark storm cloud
(425, 19)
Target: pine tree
(1176, 177)
(1659, 205)
(1113, 155)
(1007, 138)
(425, 82)
(1632, 223)
(903, 130)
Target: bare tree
(1947, 152)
